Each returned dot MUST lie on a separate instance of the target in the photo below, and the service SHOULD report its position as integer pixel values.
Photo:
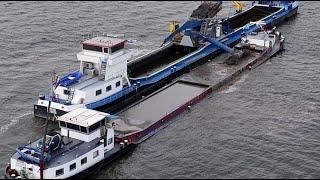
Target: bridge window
(98, 92)
(62, 124)
(73, 126)
(92, 48)
(73, 166)
(59, 172)
(83, 129)
(94, 127)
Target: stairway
(103, 67)
(71, 94)
(204, 27)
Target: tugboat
(103, 72)
(85, 139)
(108, 75)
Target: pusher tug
(103, 72)
(85, 138)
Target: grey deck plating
(217, 69)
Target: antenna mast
(42, 162)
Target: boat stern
(20, 169)
(11, 173)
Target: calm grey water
(264, 126)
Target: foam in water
(14, 121)
(234, 86)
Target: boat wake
(14, 121)
(235, 85)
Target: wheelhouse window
(118, 84)
(98, 92)
(94, 127)
(59, 172)
(84, 161)
(73, 166)
(73, 126)
(108, 88)
(92, 48)
(62, 124)
(83, 129)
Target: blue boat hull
(70, 78)
(34, 158)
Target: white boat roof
(83, 117)
(104, 41)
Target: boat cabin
(86, 125)
(99, 52)
(102, 73)
(259, 40)
(85, 136)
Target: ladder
(103, 67)
(204, 26)
(71, 94)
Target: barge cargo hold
(201, 39)
(143, 119)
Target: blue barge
(194, 42)
(281, 11)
